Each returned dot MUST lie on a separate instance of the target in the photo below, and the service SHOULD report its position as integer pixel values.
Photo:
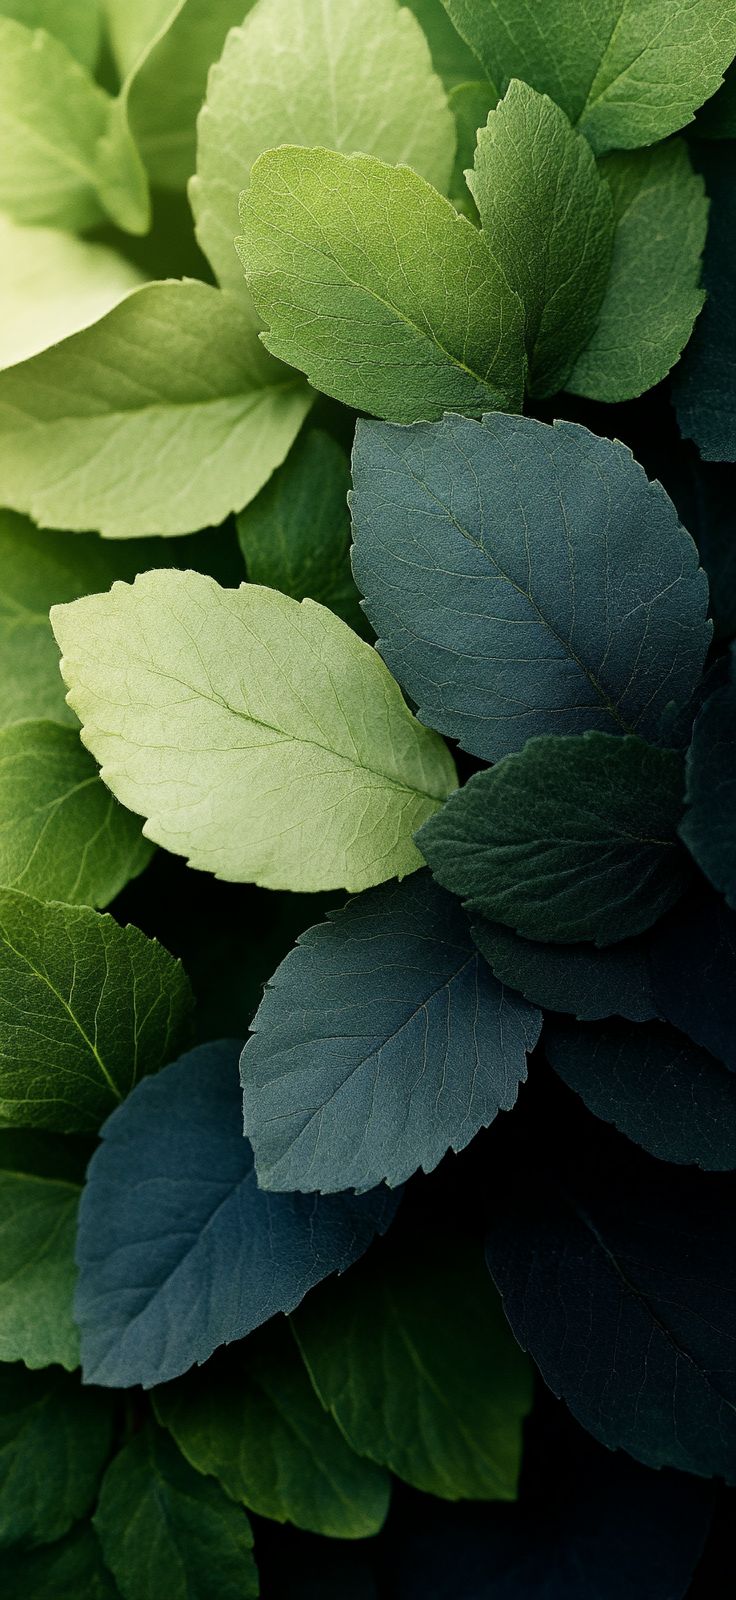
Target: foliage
(367, 636)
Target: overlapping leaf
(172, 383)
(259, 737)
(704, 393)
(657, 1087)
(525, 580)
(54, 1440)
(413, 1358)
(547, 216)
(626, 72)
(382, 1041)
(62, 835)
(40, 1184)
(576, 978)
(165, 1529)
(251, 1418)
(572, 839)
(178, 1249)
(335, 250)
(52, 285)
(269, 89)
(86, 1008)
(709, 825)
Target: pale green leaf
(653, 295)
(374, 286)
(86, 1009)
(412, 1355)
(251, 1418)
(54, 1437)
(259, 737)
(75, 22)
(66, 155)
(167, 1531)
(161, 418)
(270, 88)
(62, 834)
(547, 216)
(164, 49)
(40, 1185)
(51, 285)
(627, 71)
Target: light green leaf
(51, 285)
(413, 1356)
(547, 216)
(252, 1419)
(295, 536)
(86, 1009)
(374, 286)
(62, 834)
(169, 398)
(66, 155)
(72, 1566)
(165, 1530)
(164, 49)
(259, 737)
(75, 22)
(40, 1185)
(54, 1438)
(628, 72)
(270, 89)
(653, 294)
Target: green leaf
(579, 979)
(295, 536)
(259, 737)
(382, 1042)
(653, 294)
(374, 285)
(574, 838)
(51, 285)
(547, 216)
(173, 384)
(165, 1530)
(164, 49)
(627, 71)
(86, 1009)
(526, 580)
(251, 1418)
(40, 1185)
(62, 835)
(54, 1439)
(470, 104)
(39, 569)
(75, 22)
(269, 89)
(704, 391)
(412, 1355)
(73, 1567)
(66, 155)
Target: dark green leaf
(73, 1567)
(571, 839)
(295, 536)
(657, 1087)
(524, 579)
(252, 1419)
(383, 1040)
(705, 394)
(54, 1439)
(692, 962)
(165, 1530)
(588, 983)
(40, 1186)
(412, 1356)
(709, 826)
